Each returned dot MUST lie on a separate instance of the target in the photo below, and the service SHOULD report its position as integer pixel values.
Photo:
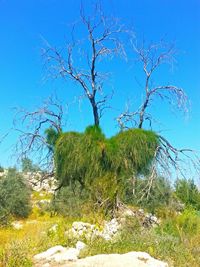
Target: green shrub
(98, 163)
(28, 166)
(1, 169)
(186, 224)
(14, 196)
(160, 194)
(188, 193)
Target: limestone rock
(89, 231)
(17, 225)
(131, 259)
(58, 255)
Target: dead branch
(102, 44)
(31, 127)
(151, 58)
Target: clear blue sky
(23, 22)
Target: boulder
(131, 259)
(58, 255)
(89, 231)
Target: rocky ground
(60, 256)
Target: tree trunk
(142, 112)
(95, 111)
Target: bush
(14, 196)
(28, 166)
(186, 224)
(160, 194)
(98, 163)
(188, 193)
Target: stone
(48, 253)
(57, 254)
(131, 259)
(80, 245)
(88, 231)
(70, 254)
(17, 225)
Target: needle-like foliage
(104, 166)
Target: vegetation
(28, 166)
(188, 193)
(96, 174)
(98, 163)
(1, 169)
(14, 197)
(176, 240)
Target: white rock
(131, 259)
(48, 253)
(17, 225)
(70, 254)
(80, 245)
(57, 254)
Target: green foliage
(136, 149)
(160, 194)
(99, 163)
(70, 201)
(184, 225)
(15, 255)
(1, 169)
(189, 222)
(28, 166)
(158, 244)
(14, 196)
(51, 137)
(188, 193)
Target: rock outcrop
(89, 231)
(131, 259)
(59, 256)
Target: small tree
(14, 196)
(28, 166)
(188, 193)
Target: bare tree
(34, 128)
(152, 57)
(168, 159)
(102, 44)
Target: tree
(151, 58)
(187, 192)
(102, 43)
(98, 163)
(1, 169)
(38, 131)
(28, 166)
(14, 196)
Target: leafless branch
(102, 43)
(31, 127)
(151, 58)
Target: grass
(17, 247)
(179, 249)
(176, 240)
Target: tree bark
(95, 111)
